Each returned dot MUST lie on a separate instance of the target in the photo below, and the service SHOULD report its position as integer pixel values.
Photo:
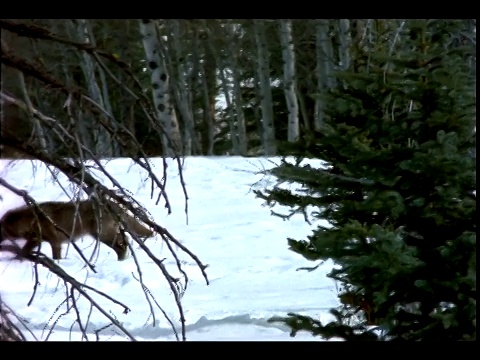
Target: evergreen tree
(398, 191)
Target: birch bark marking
(288, 54)
(263, 69)
(171, 140)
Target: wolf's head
(119, 244)
(121, 248)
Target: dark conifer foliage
(398, 190)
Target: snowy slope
(252, 274)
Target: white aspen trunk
(171, 139)
(345, 41)
(289, 76)
(263, 69)
(324, 54)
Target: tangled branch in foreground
(54, 108)
(11, 324)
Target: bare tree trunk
(345, 40)
(237, 94)
(263, 70)
(208, 119)
(183, 91)
(82, 130)
(325, 80)
(226, 89)
(359, 27)
(82, 127)
(257, 113)
(202, 122)
(230, 112)
(241, 123)
(290, 85)
(102, 140)
(171, 139)
(38, 132)
(303, 110)
(208, 66)
(114, 148)
(472, 35)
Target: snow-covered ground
(253, 276)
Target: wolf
(59, 222)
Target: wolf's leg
(32, 243)
(56, 250)
(54, 238)
(114, 238)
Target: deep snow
(253, 276)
